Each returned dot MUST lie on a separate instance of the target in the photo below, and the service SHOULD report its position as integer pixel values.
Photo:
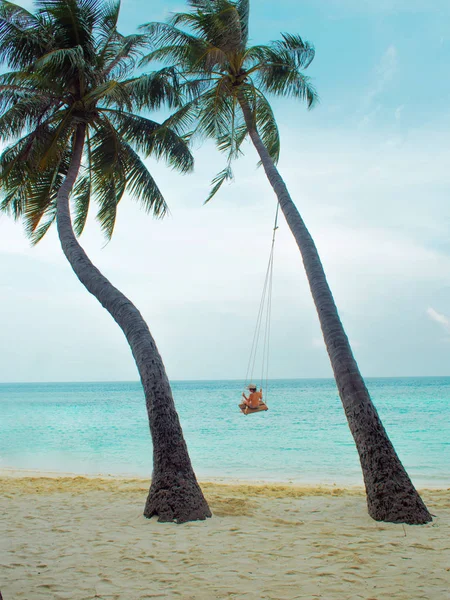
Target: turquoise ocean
(102, 428)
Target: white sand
(79, 538)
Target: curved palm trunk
(391, 495)
(174, 492)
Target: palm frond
(153, 139)
(41, 201)
(182, 121)
(110, 93)
(172, 45)
(82, 193)
(302, 52)
(217, 22)
(123, 54)
(73, 22)
(63, 58)
(279, 73)
(243, 9)
(154, 90)
(81, 197)
(24, 115)
(107, 23)
(14, 201)
(17, 14)
(267, 126)
(218, 180)
(32, 82)
(127, 173)
(106, 28)
(109, 192)
(232, 141)
(21, 35)
(40, 231)
(108, 161)
(15, 157)
(216, 110)
(264, 119)
(142, 186)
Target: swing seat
(249, 411)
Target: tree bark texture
(175, 494)
(391, 495)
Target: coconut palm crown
(73, 68)
(222, 75)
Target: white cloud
(383, 75)
(197, 275)
(385, 70)
(439, 318)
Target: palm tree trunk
(391, 495)
(174, 492)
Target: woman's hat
(251, 387)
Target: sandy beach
(83, 538)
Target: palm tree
(226, 82)
(69, 108)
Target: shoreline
(13, 472)
(29, 481)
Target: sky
(369, 170)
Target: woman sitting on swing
(254, 398)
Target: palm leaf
(40, 231)
(267, 126)
(41, 201)
(243, 9)
(153, 139)
(218, 180)
(82, 192)
(24, 115)
(123, 54)
(302, 52)
(142, 186)
(154, 90)
(81, 197)
(61, 59)
(110, 93)
(216, 110)
(73, 21)
(21, 39)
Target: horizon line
(231, 379)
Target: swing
(262, 324)
(247, 410)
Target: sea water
(304, 437)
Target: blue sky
(369, 169)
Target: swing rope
(263, 322)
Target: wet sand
(82, 538)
